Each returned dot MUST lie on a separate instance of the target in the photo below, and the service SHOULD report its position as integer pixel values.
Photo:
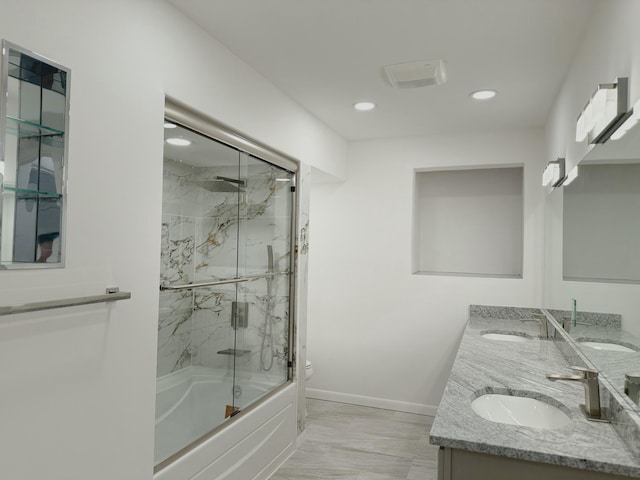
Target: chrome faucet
(588, 378)
(542, 320)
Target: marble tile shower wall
(212, 332)
(210, 235)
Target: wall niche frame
(469, 221)
(34, 121)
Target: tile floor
(349, 442)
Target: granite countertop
(493, 366)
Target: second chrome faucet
(589, 379)
(542, 320)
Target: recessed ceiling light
(169, 125)
(364, 106)
(483, 94)
(179, 142)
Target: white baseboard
(418, 408)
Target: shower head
(221, 184)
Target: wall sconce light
(604, 112)
(571, 176)
(632, 118)
(553, 174)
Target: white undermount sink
(608, 346)
(505, 337)
(516, 410)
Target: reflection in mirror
(601, 231)
(34, 116)
(614, 351)
(592, 237)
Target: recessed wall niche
(469, 222)
(34, 107)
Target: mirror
(34, 119)
(592, 240)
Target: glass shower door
(199, 265)
(264, 257)
(224, 326)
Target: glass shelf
(20, 128)
(28, 193)
(26, 129)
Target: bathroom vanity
(502, 356)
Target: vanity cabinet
(34, 117)
(456, 464)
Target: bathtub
(191, 403)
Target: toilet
(308, 370)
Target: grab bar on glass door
(203, 284)
(265, 275)
(112, 295)
(188, 286)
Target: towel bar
(111, 295)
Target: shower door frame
(197, 121)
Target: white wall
(377, 334)
(608, 50)
(77, 389)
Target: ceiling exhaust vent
(416, 74)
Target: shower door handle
(189, 286)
